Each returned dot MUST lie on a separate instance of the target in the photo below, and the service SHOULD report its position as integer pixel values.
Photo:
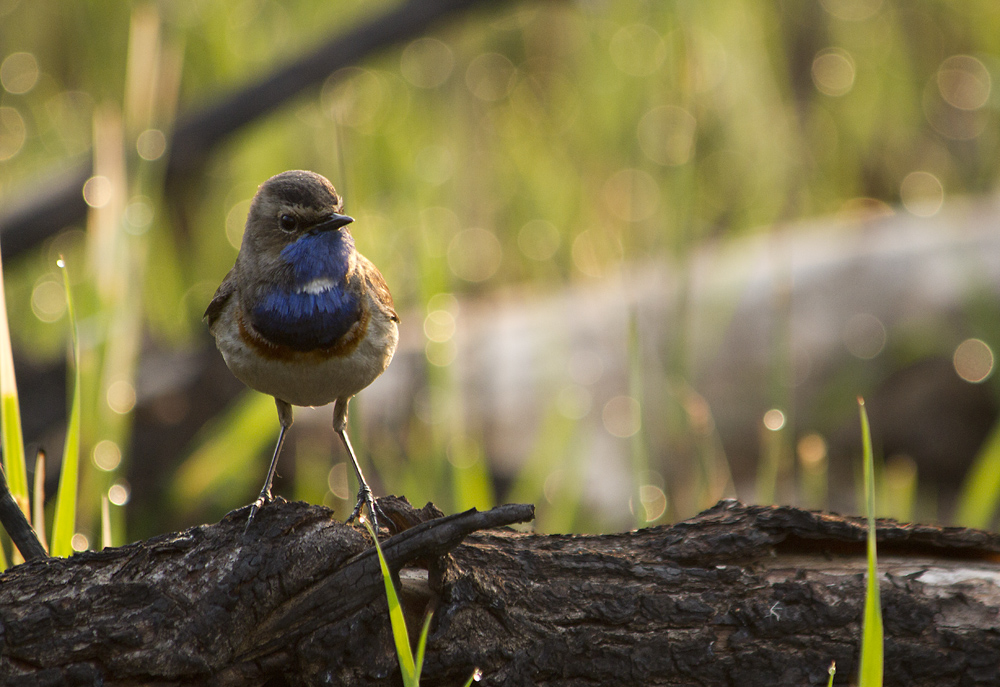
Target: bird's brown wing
(222, 295)
(378, 288)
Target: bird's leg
(285, 418)
(365, 496)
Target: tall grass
(980, 496)
(10, 417)
(870, 672)
(411, 664)
(64, 525)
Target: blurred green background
(523, 175)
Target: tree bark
(743, 595)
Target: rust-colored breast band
(344, 346)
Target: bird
(302, 316)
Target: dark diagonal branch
(57, 200)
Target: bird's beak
(334, 221)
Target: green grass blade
(10, 414)
(422, 645)
(832, 671)
(407, 666)
(870, 674)
(65, 518)
(38, 510)
(476, 676)
(977, 504)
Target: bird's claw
(265, 497)
(366, 498)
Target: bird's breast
(305, 326)
(307, 378)
(311, 316)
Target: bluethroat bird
(302, 315)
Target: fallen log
(744, 595)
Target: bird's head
(289, 206)
(292, 215)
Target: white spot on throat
(317, 286)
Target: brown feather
(378, 288)
(222, 295)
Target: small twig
(16, 524)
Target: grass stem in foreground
(65, 518)
(870, 674)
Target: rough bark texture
(738, 595)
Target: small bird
(302, 315)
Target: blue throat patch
(306, 321)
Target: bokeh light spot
(973, 360)
(699, 414)
(653, 500)
(490, 77)
(119, 494)
(709, 60)
(79, 542)
(139, 214)
(441, 354)
(12, 133)
(474, 254)
(426, 62)
(236, 221)
(637, 50)
(463, 453)
(19, 72)
(336, 480)
(594, 252)
(833, 71)
(666, 135)
(97, 191)
(864, 335)
(443, 301)
(622, 416)
(121, 396)
(107, 455)
(631, 194)
(151, 144)
(356, 98)
(964, 82)
(439, 326)
(774, 419)
(48, 299)
(538, 239)
(811, 450)
(922, 194)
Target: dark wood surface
(739, 595)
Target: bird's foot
(265, 497)
(366, 498)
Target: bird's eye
(287, 223)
